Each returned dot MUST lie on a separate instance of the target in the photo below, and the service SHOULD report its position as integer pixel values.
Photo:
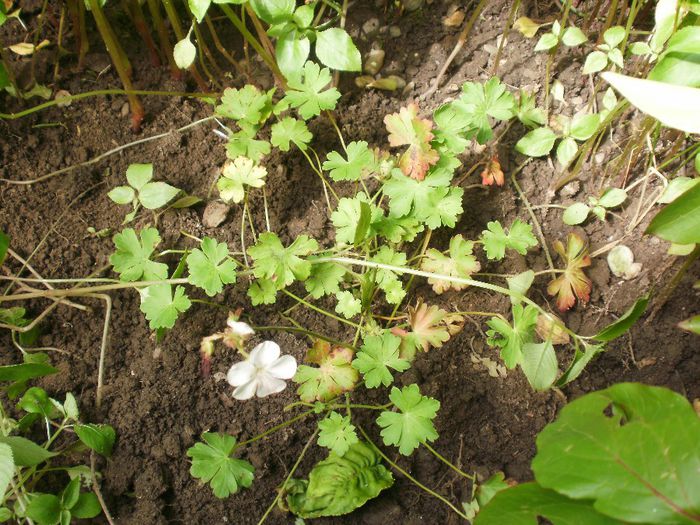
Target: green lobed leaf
(211, 267)
(324, 279)
(496, 239)
(290, 130)
(279, 264)
(212, 462)
(305, 91)
(359, 159)
(413, 424)
(638, 463)
(132, 256)
(337, 433)
(511, 338)
(333, 375)
(161, 307)
(348, 305)
(376, 356)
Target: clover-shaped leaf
(306, 91)
(132, 258)
(212, 462)
(413, 424)
(337, 433)
(236, 176)
(376, 356)
(211, 267)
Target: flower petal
(264, 354)
(283, 368)
(240, 328)
(246, 390)
(240, 373)
(268, 384)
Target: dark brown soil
(155, 396)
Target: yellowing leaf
(526, 26)
(573, 283)
(407, 129)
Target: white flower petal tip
(240, 328)
(263, 373)
(265, 354)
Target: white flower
(263, 373)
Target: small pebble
(370, 27)
(215, 213)
(374, 61)
(394, 31)
(124, 112)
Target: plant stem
(289, 476)
(274, 429)
(163, 38)
(319, 310)
(74, 292)
(118, 57)
(304, 331)
(411, 478)
(448, 463)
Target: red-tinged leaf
(430, 326)
(573, 283)
(493, 173)
(333, 376)
(407, 129)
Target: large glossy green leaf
(632, 449)
(274, 11)
(625, 322)
(99, 438)
(523, 504)
(679, 222)
(292, 50)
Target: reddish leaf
(493, 173)
(573, 283)
(407, 129)
(430, 326)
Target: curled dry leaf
(550, 328)
(573, 283)
(454, 20)
(493, 174)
